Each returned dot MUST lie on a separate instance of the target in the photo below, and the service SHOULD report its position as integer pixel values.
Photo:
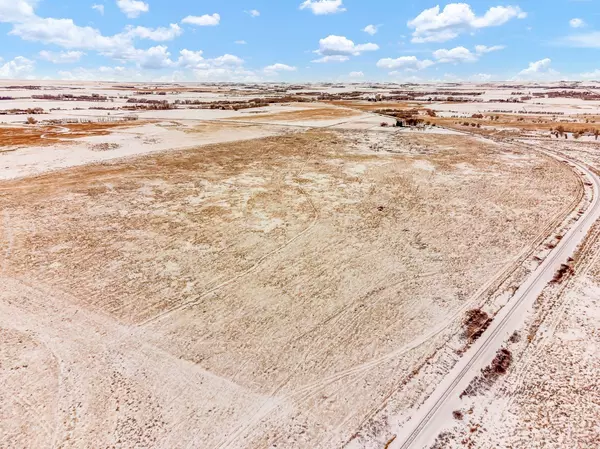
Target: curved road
(436, 413)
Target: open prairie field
(271, 292)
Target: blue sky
(299, 40)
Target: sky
(300, 40)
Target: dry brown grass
(26, 136)
(389, 243)
(32, 135)
(368, 106)
(522, 122)
(308, 114)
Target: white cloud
(63, 57)
(586, 40)
(404, 62)
(356, 75)
(253, 13)
(594, 75)
(401, 76)
(242, 42)
(483, 77)
(333, 58)
(322, 7)
(189, 58)
(462, 54)
(16, 10)
(454, 55)
(104, 73)
(371, 29)
(236, 74)
(576, 23)
(539, 70)
(203, 21)
(64, 33)
(157, 34)
(435, 25)
(482, 49)
(195, 59)
(278, 67)
(224, 68)
(341, 46)
(537, 67)
(153, 58)
(132, 8)
(99, 8)
(227, 60)
(19, 67)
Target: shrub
(31, 121)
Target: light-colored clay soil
(251, 294)
(307, 114)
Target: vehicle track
(244, 273)
(307, 391)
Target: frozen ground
(290, 275)
(202, 297)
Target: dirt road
(436, 413)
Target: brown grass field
(250, 293)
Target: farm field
(245, 267)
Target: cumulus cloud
(227, 60)
(462, 54)
(454, 55)
(333, 58)
(356, 75)
(63, 57)
(341, 48)
(77, 39)
(223, 68)
(482, 49)
(241, 42)
(322, 7)
(536, 67)
(189, 58)
(278, 67)
(404, 62)
(253, 13)
(99, 8)
(371, 29)
(133, 8)
(153, 58)
(16, 10)
(576, 23)
(236, 74)
(594, 75)
(64, 33)
(203, 21)
(585, 40)
(482, 77)
(103, 73)
(435, 25)
(155, 34)
(19, 67)
(539, 70)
